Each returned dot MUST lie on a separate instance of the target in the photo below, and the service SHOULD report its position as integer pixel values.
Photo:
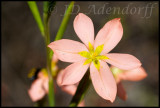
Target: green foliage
(65, 21)
(34, 9)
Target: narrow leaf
(34, 9)
(65, 21)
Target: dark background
(23, 48)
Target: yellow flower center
(93, 55)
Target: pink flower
(39, 87)
(136, 74)
(70, 89)
(94, 54)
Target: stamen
(93, 56)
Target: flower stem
(46, 16)
(47, 41)
(81, 90)
(48, 7)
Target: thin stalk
(46, 17)
(81, 90)
(34, 9)
(47, 41)
(44, 28)
(65, 21)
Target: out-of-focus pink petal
(55, 58)
(121, 91)
(74, 73)
(36, 92)
(59, 77)
(103, 81)
(134, 74)
(45, 84)
(40, 75)
(123, 61)
(118, 79)
(44, 80)
(70, 89)
(67, 50)
(115, 71)
(109, 35)
(84, 28)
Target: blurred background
(23, 48)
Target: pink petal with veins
(84, 28)
(74, 73)
(109, 35)
(70, 89)
(68, 57)
(103, 81)
(123, 61)
(67, 50)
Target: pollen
(93, 55)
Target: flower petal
(84, 28)
(70, 89)
(54, 58)
(59, 77)
(109, 35)
(103, 81)
(67, 50)
(134, 74)
(36, 92)
(121, 91)
(44, 78)
(68, 57)
(74, 73)
(123, 61)
(45, 84)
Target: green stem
(46, 16)
(81, 90)
(64, 23)
(34, 9)
(47, 9)
(47, 41)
